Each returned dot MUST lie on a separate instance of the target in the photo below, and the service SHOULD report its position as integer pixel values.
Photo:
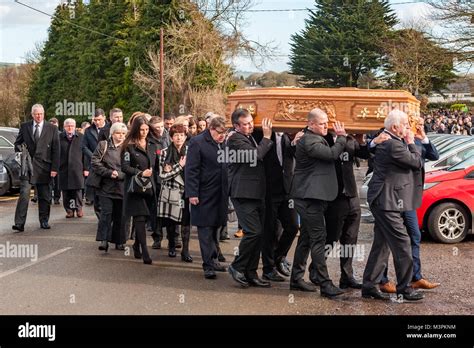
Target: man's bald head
(318, 121)
(315, 114)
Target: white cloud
(15, 15)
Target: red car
(447, 207)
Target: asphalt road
(71, 276)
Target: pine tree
(342, 39)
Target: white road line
(41, 259)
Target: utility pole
(162, 82)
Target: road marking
(6, 199)
(41, 259)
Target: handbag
(170, 196)
(94, 180)
(140, 185)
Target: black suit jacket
(315, 172)
(89, 144)
(396, 184)
(247, 180)
(44, 154)
(347, 185)
(279, 177)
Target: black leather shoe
(119, 247)
(375, 294)
(186, 258)
(210, 274)
(238, 277)
(136, 251)
(172, 252)
(350, 283)
(19, 228)
(301, 285)
(147, 261)
(411, 295)
(286, 262)
(221, 258)
(273, 276)
(156, 245)
(259, 283)
(104, 245)
(44, 225)
(283, 269)
(219, 268)
(330, 290)
(314, 281)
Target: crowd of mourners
(445, 121)
(164, 175)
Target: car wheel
(5, 188)
(448, 223)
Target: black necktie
(36, 134)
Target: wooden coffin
(361, 110)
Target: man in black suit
(279, 169)
(247, 192)
(206, 187)
(89, 144)
(343, 214)
(42, 141)
(314, 185)
(395, 187)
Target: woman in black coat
(71, 169)
(106, 162)
(139, 157)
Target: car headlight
(429, 185)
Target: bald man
(314, 185)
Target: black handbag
(140, 185)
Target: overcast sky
(22, 28)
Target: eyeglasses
(220, 132)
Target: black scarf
(172, 154)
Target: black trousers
(208, 245)
(251, 215)
(56, 193)
(72, 200)
(111, 225)
(342, 224)
(274, 249)
(390, 235)
(21, 210)
(44, 201)
(312, 239)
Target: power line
(309, 9)
(68, 21)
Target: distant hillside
(6, 65)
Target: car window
(460, 156)
(4, 143)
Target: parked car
(447, 207)
(456, 149)
(3, 177)
(7, 151)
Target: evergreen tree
(342, 39)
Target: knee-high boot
(140, 235)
